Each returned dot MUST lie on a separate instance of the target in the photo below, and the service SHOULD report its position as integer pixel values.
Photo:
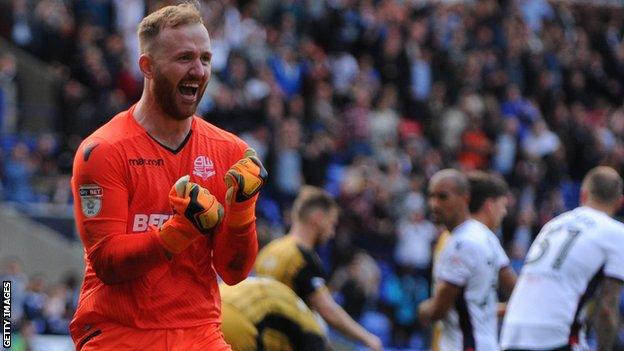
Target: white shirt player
(562, 268)
(472, 259)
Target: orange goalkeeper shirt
(121, 181)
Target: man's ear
(489, 203)
(146, 65)
(584, 196)
(316, 218)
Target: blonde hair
(167, 17)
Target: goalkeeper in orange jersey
(153, 254)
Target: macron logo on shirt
(146, 162)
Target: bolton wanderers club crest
(90, 199)
(203, 167)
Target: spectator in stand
(12, 271)
(34, 302)
(416, 236)
(540, 141)
(8, 94)
(19, 170)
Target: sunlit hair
(604, 185)
(459, 180)
(167, 17)
(311, 198)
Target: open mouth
(189, 90)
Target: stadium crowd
(365, 98)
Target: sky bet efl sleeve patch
(90, 199)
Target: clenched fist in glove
(196, 212)
(243, 180)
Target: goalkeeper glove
(196, 213)
(243, 180)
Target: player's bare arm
(322, 301)
(440, 303)
(606, 318)
(507, 280)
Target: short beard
(164, 91)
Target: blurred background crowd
(366, 98)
